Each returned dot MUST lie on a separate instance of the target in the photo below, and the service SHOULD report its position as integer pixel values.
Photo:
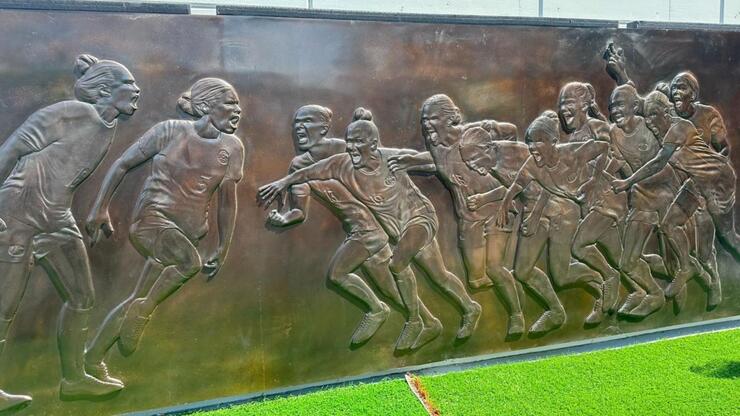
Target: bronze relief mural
(464, 189)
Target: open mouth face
(301, 135)
(234, 121)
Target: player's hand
(97, 224)
(475, 201)
(620, 185)
(267, 193)
(211, 266)
(399, 162)
(502, 217)
(275, 218)
(615, 62)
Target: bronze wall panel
(269, 320)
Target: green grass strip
(384, 398)
(695, 375)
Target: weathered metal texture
(268, 318)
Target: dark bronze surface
(269, 318)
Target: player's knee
(522, 275)
(397, 266)
(82, 301)
(498, 274)
(190, 267)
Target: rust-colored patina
(265, 316)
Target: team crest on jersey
(223, 156)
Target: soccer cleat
(597, 314)
(714, 295)
(430, 332)
(610, 294)
(633, 300)
(10, 402)
(100, 371)
(132, 327)
(516, 325)
(469, 321)
(410, 332)
(87, 387)
(369, 324)
(549, 321)
(650, 304)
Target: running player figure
(407, 216)
(42, 164)
(556, 168)
(703, 172)
(366, 246)
(191, 160)
(483, 246)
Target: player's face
(542, 148)
(477, 158)
(682, 96)
(571, 110)
(124, 93)
(434, 124)
(621, 107)
(308, 128)
(225, 114)
(656, 118)
(360, 146)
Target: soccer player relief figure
(191, 160)
(42, 164)
(706, 177)
(405, 214)
(482, 245)
(366, 246)
(557, 168)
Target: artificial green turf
(695, 375)
(384, 398)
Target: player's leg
(565, 272)
(634, 266)
(14, 272)
(673, 227)
(419, 318)
(69, 270)
(472, 244)
(529, 249)
(706, 254)
(109, 331)
(181, 261)
(502, 278)
(429, 258)
(596, 232)
(348, 258)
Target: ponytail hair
(202, 96)
(593, 108)
(92, 74)
(362, 118)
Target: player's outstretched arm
(142, 150)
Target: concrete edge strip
(446, 366)
(418, 390)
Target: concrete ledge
(411, 18)
(96, 6)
